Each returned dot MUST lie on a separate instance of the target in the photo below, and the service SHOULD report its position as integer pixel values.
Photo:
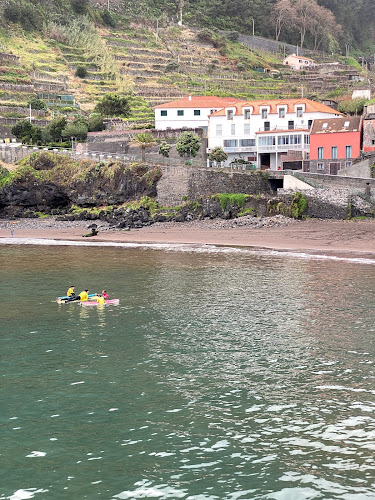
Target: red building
(334, 143)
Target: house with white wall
(298, 63)
(262, 131)
(189, 112)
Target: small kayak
(114, 302)
(66, 297)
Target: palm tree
(143, 140)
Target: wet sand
(327, 237)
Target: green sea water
(222, 374)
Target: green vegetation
(218, 154)
(298, 206)
(352, 107)
(164, 149)
(113, 104)
(188, 143)
(235, 199)
(143, 141)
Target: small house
(298, 63)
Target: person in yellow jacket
(84, 295)
(100, 299)
(70, 292)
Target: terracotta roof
(310, 106)
(195, 101)
(335, 125)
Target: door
(334, 167)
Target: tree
(164, 149)
(282, 13)
(81, 72)
(113, 104)
(27, 132)
(75, 129)
(53, 131)
(144, 140)
(188, 143)
(323, 27)
(37, 103)
(96, 123)
(218, 154)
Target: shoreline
(325, 237)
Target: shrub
(188, 143)
(164, 149)
(113, 104)
(96, 123)
(218, 154)
(81, 72)
(233, 36)
(298, 206)
(172, 66)
(80, 6)
(37, 103)
(107, 18)
(352, 107)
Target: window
(291, 124)
(320, 153)
(233, 129)
(163, 112)
(264, 113)
(282, 113)
(267, 126)
(320, 166)
(348, 164)
(334, 152)
(306, 139)
(244, 143)
(219, 129)
(246, 129)
(230, 143)
(325, 125)
(299, 112)
(247, 114)
(348, 151)
(197, 112)
(180, 112)
(230, 114)
(267, 140)
(309, 123)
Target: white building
(298, 62)
(189, 112)
(261, 131)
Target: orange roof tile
(310, 106)
(194, 101)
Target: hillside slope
(153, 66)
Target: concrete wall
(355, 184)
(291, 182)
(361, 169)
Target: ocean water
(222, 374)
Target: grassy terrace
(154, 69)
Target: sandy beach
(322, 236)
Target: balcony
(285, 128)
(248, 149)
(283, 148)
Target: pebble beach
(348, 237)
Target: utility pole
(30, 117)
(108, 5)
(157, 28)
(253, 27)
(181, 7)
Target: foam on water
(187, 248)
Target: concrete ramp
(292, 182)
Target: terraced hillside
(153, 67)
